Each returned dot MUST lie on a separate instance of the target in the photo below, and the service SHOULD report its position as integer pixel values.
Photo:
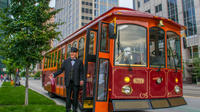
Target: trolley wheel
(51, 95)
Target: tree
(26, 32)
(196, 69)
(10, 67)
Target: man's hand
(51, 76)
(81, 83)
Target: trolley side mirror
(112, 33)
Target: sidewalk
(191, 90)
(1, 83)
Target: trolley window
(57, 81)
(68, 50)
(130, 45)
(59, 59)
(61, 81)
(81, 49)
(75, 44)
(173, 51)
(49, 59)
(52, 59)
(91, 44)
(55, 59)
(104, 47)
(63, 54)
(46, 61)
(157, 47)
(103, 79)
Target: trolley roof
(117, 11)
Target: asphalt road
(191, 95)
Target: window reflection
(68, 50)
(173, 51)
(103, 79)
(91, 45)
(75, 44)
(52, 60)
(157, 47)
(130, 46)
(55, 59)
(81, 49)
(104, 44)
(59, 59)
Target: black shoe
(68, 110)
(74, 110)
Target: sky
(122, 3)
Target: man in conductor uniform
(73, 78)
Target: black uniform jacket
(78, 71)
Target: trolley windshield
(130, 45)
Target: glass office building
(3, 4)
(77, 13)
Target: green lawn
(32, 108)
(12, 100)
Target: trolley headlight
(159, 80)
(177, 89)
(176, 80)
(126, 79)
(127, 89)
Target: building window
(83, 17)
(83, 10)
(82, 24)
(189, 17)
(159, 8)
(90, 11)
(96, 5)
(86, 10)
(83, 2)
(146, 1)
(86, 3)
(149, 11)
(138, 4)
(172, 10)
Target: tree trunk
(26, 91)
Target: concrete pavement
(1, 83)
(191, 90)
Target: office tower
(77, 13)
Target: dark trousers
(69, 90)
